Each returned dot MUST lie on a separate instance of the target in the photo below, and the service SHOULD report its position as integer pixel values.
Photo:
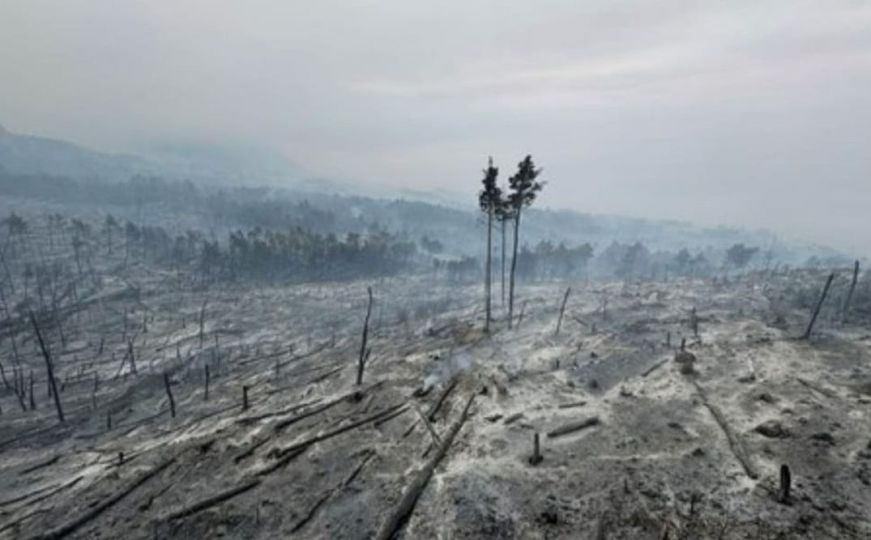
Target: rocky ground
(314, 455)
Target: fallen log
(311, 513)
(281, 462)
(257, 418)
(405, 507)
(572, 405)
(51, 489)
(573, 427)
(213, 500)
(332, 433)
(410, 429)
(513, 418)
(251, 449)
(654, 367)
(368, 455)
(438, 404)
(320, 502)
(288, 422)
(320, 408)
(22, 519)
(817, 388)
(327, 375)
(389, 417)
(735, 443)
(294, 357)
(298, 372)
(432, 431)
(74, 524)
(36, 431)
(38, 466)
(54, 491)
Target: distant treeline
(546, 262)
(257, 254)
(210, 207)
(556, 245)
(272, 256)
(299, 254)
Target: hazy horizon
(746, 114)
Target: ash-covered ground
(314, 455)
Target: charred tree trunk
(94, 392)
(488, 270)
(364, 352)
(694, 322)
(536, 457)
(562, 310)
(816, 313)
(202, 322)
(846, 308)
(522, 311)
(785, 484)
(3, 374)
(169, 394)
(32, 396)
(19, 388)
(130, 353)
(48, 368)
(206, 390)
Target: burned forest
(215, 376)
(398, 270)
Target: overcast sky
(753, 113)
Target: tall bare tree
(504, 215)
(524, 188)
(490, 199)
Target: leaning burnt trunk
(816, 313)
(49, 369)
(364, 352)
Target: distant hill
(28, 154)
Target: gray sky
(754, 113)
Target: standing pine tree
(524, 189)
(490, 200)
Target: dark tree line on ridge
(298, 254)
(34, 255)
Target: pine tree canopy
(524, 186)
(490, 197)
